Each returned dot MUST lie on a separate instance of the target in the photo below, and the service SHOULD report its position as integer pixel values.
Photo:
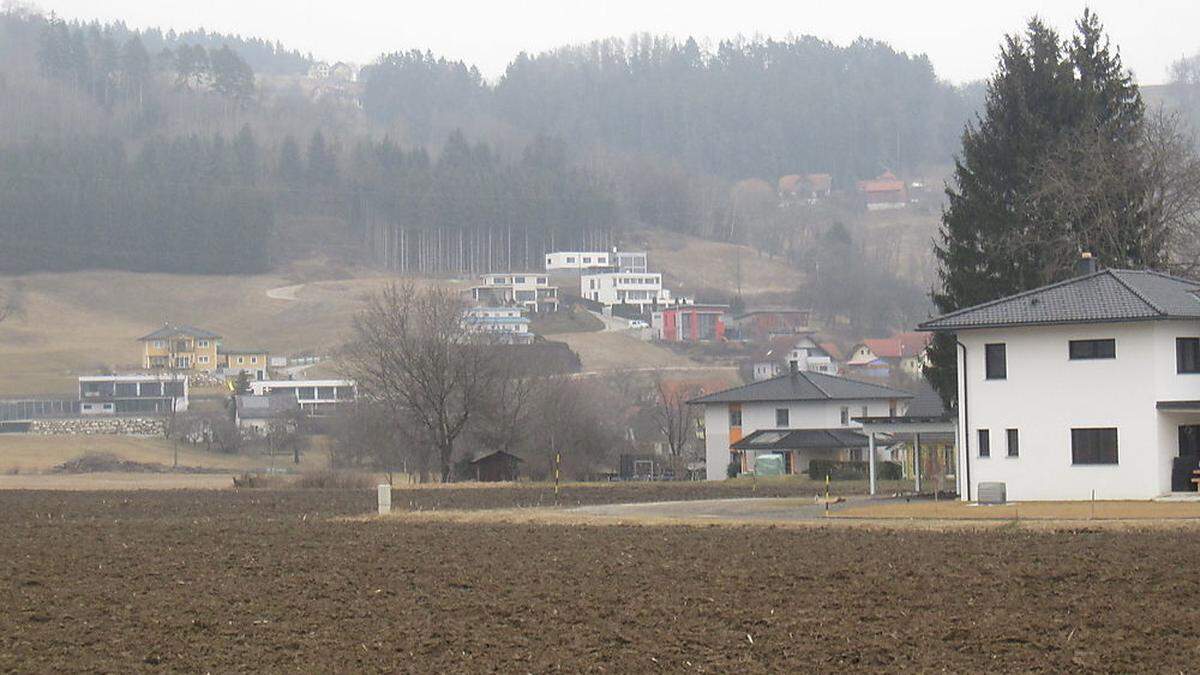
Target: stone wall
(121, 426)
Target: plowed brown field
(269, 581)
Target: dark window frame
(1012, 438)
(1187, 362)
(1089, 446)
(735, 417)
(992, 369)
(984, 437)
(1091, 350)
(782, 414)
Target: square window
(1094, 446)
(985, 443)
(1014, 443)
(996, 361)
(735, 417)
(781, 418)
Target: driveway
(726, 510)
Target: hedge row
(819, 468)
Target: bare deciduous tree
(1139, 203)
(675, 418)
(413, 355)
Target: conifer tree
(1004, 231)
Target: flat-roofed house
(138, 394)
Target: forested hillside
(205, 153)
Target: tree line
(746, 108)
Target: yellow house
(252, 361)
(179, 347)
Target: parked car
(638, 323)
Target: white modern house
(529, 290)
(624, 288)
(580, 261)
(504, 324)
(315, 396)
(801, 415)
(137, 394)
(577, 261)
(1087, 387)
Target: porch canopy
(800, 441)
(925, 415)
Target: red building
(761, 324)
(691, 323)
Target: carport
(925, 416)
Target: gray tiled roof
(801, 439)
(804, 386)
(173, 330)
(1104, 296)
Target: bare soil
(271, 581)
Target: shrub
(819, 468)
(334, 480)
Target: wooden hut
(496, 466)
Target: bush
(334, 480)
(819, 468)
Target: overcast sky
(960, 36)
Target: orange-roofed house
(906, 352)
(884, 192)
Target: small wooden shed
(496, 466)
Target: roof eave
(928, 328)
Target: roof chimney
(1086, 264)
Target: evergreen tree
(1003, 232)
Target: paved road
(284, 292)
(732, 510)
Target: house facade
(315, 396)
(139, 394)
(624, 288)
(577, 261)
(883, 193)
(253, 362)
(690, 323)
(505, 324)
(529, 290)
(801, 350)
(182, 348)
(800, 416)
(1088, 388)
(901, 352)
(763, 324)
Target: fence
(31, 409)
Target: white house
(529, 290)
(616, 288)
(1090, 386)
(577, 260)
(506, 324)
(801, 350)
(315, 396)
(141, 394)
(800, 415)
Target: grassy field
(66, 325)
(26, 453)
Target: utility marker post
(385, 499)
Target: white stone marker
(385, 499)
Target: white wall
(1046, 395)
